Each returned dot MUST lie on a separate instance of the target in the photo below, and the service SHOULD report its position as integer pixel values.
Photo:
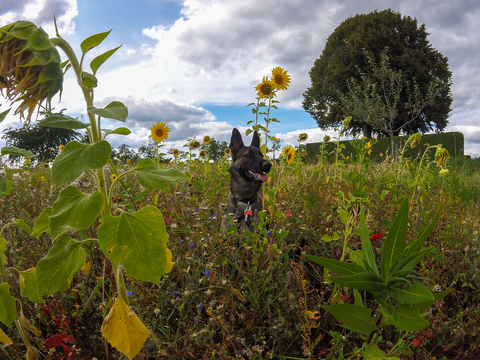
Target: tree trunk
(367, 130)
(394, 147)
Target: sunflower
(227, 151)
(302, 137)
(194, 144)
(175, 152)
(287, 149)
(206, 140)
(30, 68)
(202, 153)
(61, 147)
(265, 88)
(281, 79)
(113, 177)
(160, 132)
(290, 156)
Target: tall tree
(410, 52)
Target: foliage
(375, 99)
(410, 52)
(75, 212)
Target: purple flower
(207, 272)
(129, 292)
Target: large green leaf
(63, 122)
(394, 245)
(115, 110)
(406, 266)
(367, 281)
(8, 309)
(13, 150)
(354, 317)
(5, 186)
(413, 294)
(93, 41)
(41, 225)
(152, 177)
(28, 285)
(137, 241)
(336, 266)
(22, 225)
(405, 317)
(3, 115)
(76, 158)
(74, 210)
(436, 296)
(100, 59)
(55, 270)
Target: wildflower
(417, 341)
(175, 152)
(265, 88)
(129, 161)
(207, 272)
(206, 140)
(302, 137)
(194, 164)
(443, 172)
(43, 178)
(202, 154)
(220, 167)
(113, 177)
(227, 151)
(376, 236)
(30, 69)
(129, 292)
(159, 132)
(61, 147)
(194, 144)
(281, 79)
(368, 145)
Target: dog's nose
(267, 165)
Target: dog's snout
(267, 165)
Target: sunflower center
(279, 79)
(159, 132)
(266, 89)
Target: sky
(194, 64)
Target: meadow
(257, 297)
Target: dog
(247, 174)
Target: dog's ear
(236, 143)
(255, 140)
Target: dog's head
(248, 161)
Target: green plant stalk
(418, 172)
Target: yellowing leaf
(124, 330)
(86, 267)
(28, 325)
(4, 338)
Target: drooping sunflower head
(441, 156)
(175, 152)
(30, 67)
(302, 137)
(206, 139)
(227, 151)
(160, 132)
(194, 144)
(265, 88)
(280, 78)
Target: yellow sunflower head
(160, 132)
(280, 78)
(175, 152)
(30, 67)
(290, 156)
(228, 151)
(202, 153)
(61, 147)
(265, 88)
(113, 177)
(286, 149)
(206, 140)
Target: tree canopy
(345, 58)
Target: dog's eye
(249, 154)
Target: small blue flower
(129, 292)
(200, 306)
(207, 272)
(192, 245)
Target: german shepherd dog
(247, 174)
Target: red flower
(248, 212)
(376, 236)
(417, 341)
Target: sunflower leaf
(115, 110)
(100, 59)
(13, 150)
(138, 242)
(152, 177)
(63, 122)
(118, 131)
(28, 285)
(3, 115)
(7, 305)
(93, 41)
